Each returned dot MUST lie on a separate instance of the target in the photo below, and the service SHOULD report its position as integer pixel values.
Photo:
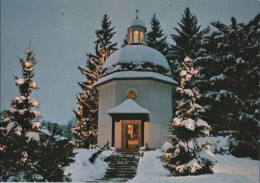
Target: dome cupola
(136, 60)
(137, 31)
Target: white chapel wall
(157, 98)
(161, 113)
(146, 132)
(107, 100)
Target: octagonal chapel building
(135, 95)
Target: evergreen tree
(87, 114)
(156, 39)
(230, 76)
(27, 154)
(125, 41)
(18, 128)
(188, 156)
(186, 41)
(54, 154)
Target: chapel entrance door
(131, 135)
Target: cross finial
(136, 14)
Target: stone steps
(122, 165)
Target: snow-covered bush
(83, 170)
(112, 148)
(219, 144)
(143, 148)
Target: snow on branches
(19, 119)
(187, 156)
(229, 66)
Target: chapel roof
(136, 60)
(137, 57)
(129, 106)
(137, 22)
(135, 75)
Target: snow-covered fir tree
(186, 40)
(188, 156)
(87, 114)
(19, 126)
(27, 154)
(229, 64)
(156, 38)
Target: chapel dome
(137, 22)
(136, 58)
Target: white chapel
(135, 95)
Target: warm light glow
(136, 39)
(186, 59)
(129, 129)
(141, 37)
(189, 111)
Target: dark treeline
(65, 130)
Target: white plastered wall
(157, 98)
(146, 132)
(107, 100)
(152, 95)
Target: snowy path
(229, 169)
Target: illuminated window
(141, 37)
(136, 39)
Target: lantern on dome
(136, 31)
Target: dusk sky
(63, 31)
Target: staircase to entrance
(123, 165)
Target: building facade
(135, 95)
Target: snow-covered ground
(82, 170)
(228, 169)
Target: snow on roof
(135, 75)
(136, 53)
(129, 106)
(137, 22)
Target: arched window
(141, 37)
(136, 39)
